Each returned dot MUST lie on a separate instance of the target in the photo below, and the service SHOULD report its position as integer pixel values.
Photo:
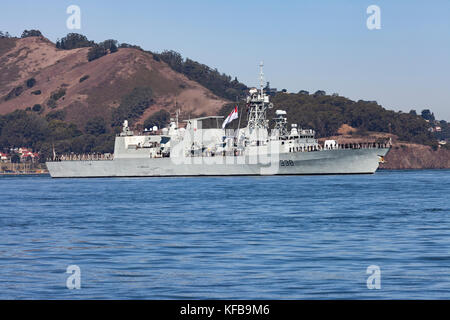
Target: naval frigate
(193, 149)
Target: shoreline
(378, 170)
(24, 173)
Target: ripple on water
(226, 238)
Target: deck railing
(237, 152)
(82, 157)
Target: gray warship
(193, 149)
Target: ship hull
(342, 161)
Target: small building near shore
(4, 157)
(28, 155)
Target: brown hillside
(110, 78)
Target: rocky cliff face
(403, 155)
(415, 156)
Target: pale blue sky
(307, 45)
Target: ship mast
(261, 78)
(257, 102)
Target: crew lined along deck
(83, 157)
(365, 145)
(209, 153)
(314, 148)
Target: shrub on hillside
(110, 45)
(96, 126)
(132, 105)
(96, 52)
(56, 95)
(220, 84)
(31, 33)
(84, 78)
(55, 115)
(30, 82)
(73, 41)
(14, 93)
(160, 119)
(37, 108)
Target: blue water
(227, 238)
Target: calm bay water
(227, 238)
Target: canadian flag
(233, 115)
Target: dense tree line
(74, 41)
(160, 119)
(130, 46)
(132, 106)
(97, 50)
(27, 129)
(96, 126)
(219, 83)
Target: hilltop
(34, 72)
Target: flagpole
(54, 153)
(239, 122)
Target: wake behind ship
(196, 151)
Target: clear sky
(310, 45)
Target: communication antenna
(261, 77)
